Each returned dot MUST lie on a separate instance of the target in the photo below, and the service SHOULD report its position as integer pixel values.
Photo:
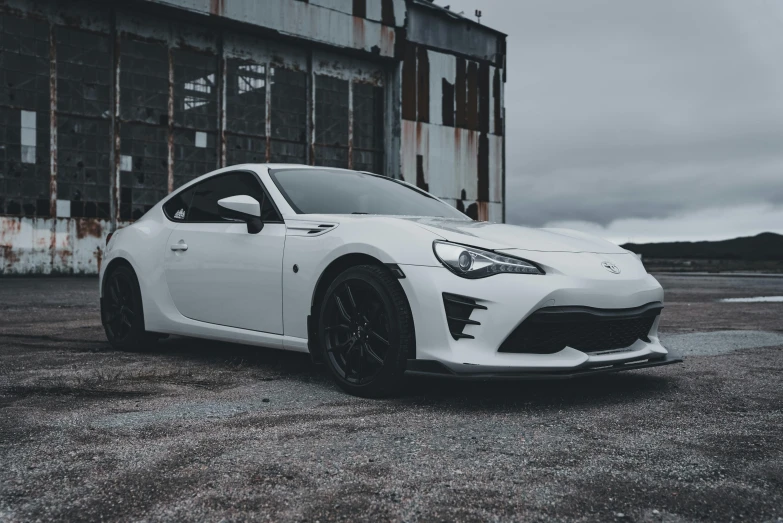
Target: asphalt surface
(207, 431)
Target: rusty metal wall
(366, 25)
(453, 131)
(108, 106)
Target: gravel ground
(202, 430)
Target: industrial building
(106, 107)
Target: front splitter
(431, 368)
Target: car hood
(498, 236)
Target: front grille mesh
(545, 334)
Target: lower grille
(552, 329)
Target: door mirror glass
(244, 208)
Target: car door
(216, 271)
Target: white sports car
(376, 279)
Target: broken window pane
(195, 90)
(143, 168)
(367, 128)
(246, 97)
(144, 82)
(190, 159)
(83, 72)
(24, 63)
(287, 152)
(24, 184)
(24, 134)
(331, 121)
(83, 165)
(245, 149)
(288, 116)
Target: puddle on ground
(755, 299)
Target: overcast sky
(643, 120)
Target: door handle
(181, 246)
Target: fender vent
(294, 228)
(321, 228)
(458, 310)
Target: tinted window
(199, 203)
(177, 207)
(332, 191)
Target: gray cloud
(620, 109)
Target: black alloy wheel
(366, 331)
(121, 311)
(118, 300)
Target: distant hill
(765, 246)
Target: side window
(177, 207)
(205, 195)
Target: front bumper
(506, 300)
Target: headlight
(470, 262)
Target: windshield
(336, 191)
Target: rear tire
(122, 313)
(365, 329)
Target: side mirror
(243, 208)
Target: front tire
(365, 327)
(122, 313)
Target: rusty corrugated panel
(216, 7)
(360, 8)
(497, 87)
(482, 211)
(27, 247)
(432, 29)
(387, 13)
(420, 178)
(268, 115)
(471, 110)
(483, 168)
(350, 125)
(52, 139)
(460, 93)
(484, 92)
(170, 164)
(115, 199)
(221, 102)
(423, 85)
(409, 83)
(447, 101)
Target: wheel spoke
(118, 290)
(341, 308)
(350, 298)
(115, 297)
(378, 337)
(126, 320)
(372, 354)
(353, 344)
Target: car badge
(611, 267)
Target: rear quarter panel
(143, 244)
